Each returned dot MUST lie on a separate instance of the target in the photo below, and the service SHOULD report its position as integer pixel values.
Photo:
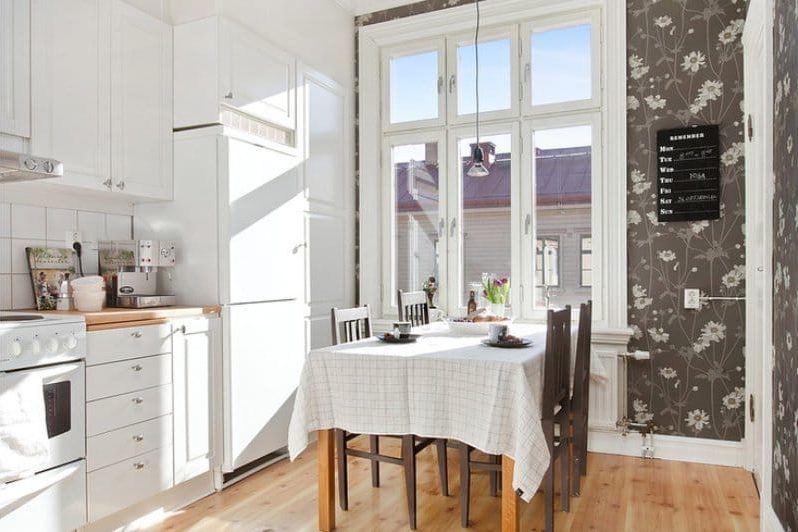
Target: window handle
(441, 227)
(527, 72)
(452, 227)
(452, 82)
(440, 84)
(527, 224)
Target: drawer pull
(136, 334)
(138, 400)
(137, 367)
(138, 465)
(138, 437)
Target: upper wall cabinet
(221, 65)
(101, 87)
(15, 67)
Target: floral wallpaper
(685, 67)
(785, 248)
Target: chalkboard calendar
(688, 174)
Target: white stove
(51, 350)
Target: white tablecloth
(441, 386)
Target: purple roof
(563, 178)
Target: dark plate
(508, 345)
(394, 340)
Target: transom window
(530, 219)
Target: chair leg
(494, 476)
(583, 450)
(374, 442)
(548, 491)
(576, 485)
(443, 466)
(465, 483)
(409, 459)
(565, 473)
(343, 482)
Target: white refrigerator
(238, 218)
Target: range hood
(22, 167)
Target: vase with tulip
(496, 290)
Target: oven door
(63, 386)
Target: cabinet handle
(121, 185)
(108, 183)
(136, 334)
(138, 465)
(138, 437)
(137, 367)
(228, 95)
(138, 400)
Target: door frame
(758, 64)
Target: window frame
(582, 253)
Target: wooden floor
(619, 493)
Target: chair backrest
(581, 396)
(557, 369)
(355, 323)
(413, 307)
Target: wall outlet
(692, 298)
(71, 237)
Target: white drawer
(120, 444)
(128, 342)
(115, 412)
(118, 486)
(117, 378)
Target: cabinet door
(70, 85)
(193, 347)
(141, 98)
(15, 67)
(257, 78)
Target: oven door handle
(15, 494)
(49, 373)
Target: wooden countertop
(108, 318)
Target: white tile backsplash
(24, 226)
(28, 222)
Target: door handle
(452, 227)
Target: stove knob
(15, 348)
(51, 345)
(35, 346)
(71, 342)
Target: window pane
(494, 77)
(415, 173)
(562, 166)
(561, 65)
(414, 87)
(486, 211)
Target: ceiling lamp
(478, 168)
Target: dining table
(443, 385)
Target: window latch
(452, 227)
(441, 227)
(452, 82)
(527, 224)
(440, 84)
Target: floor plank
(619, 493)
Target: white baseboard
(768, 520)
(681, 448)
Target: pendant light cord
(476, 63)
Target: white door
(257, 77)
(70, 83)
(264, 351)
(141, 98)
(15, 67)
(193, 343)
(262, 224)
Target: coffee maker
(138, 273)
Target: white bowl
(477, 328)
(88, 301)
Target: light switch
(692, 298)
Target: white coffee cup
(497, 332)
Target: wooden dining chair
(555, 415)
(580, 400)
(413, 307)
(353, 324)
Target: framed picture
(49, 269)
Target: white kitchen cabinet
(70, 81)
(15, 67)
(193, 343)
(221, 65)
(141, 103)
(101, 84)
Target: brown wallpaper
(785, 259)
(685, 67)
